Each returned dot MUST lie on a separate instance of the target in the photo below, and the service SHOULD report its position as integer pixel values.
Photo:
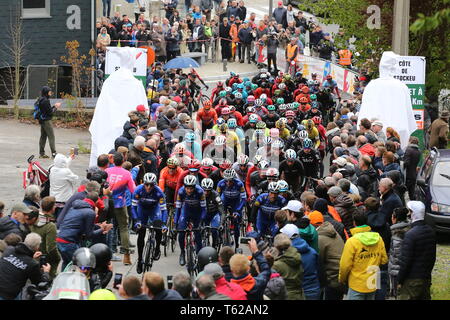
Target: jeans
(355, 295)
(46, 132)
(111, 236)
(333, 294)
(384, 279)
(106, 3)
(245, 47)
(66, 250)
(313, 295)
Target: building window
(32, 9)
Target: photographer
(170, 6)
(272, 48)
(18, 264)
(326, 47)
(173, 43)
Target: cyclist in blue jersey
(148, 205)
(332, 84)
(191, 207)
(214, 208)
(265, 207)
(232, 192)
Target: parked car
(433, 189)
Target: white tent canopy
(121, 93)
(388, 100)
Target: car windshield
(441, 177)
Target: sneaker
(182, 259)
(44, 156)
(139, 267)
(53, 155)
(116, 258)
(123, 251)
(126, 259)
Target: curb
(226, 76)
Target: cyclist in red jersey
(168, 179)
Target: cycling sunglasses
(149, 184)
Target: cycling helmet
(303, 100)
(229, 174)
(220, 121)
(263, 164)
(232, 124)
(316, 82)
(283, 186)
(179, 149)
(225, 111)
(282, 107)
(84, 258)
(273, 187)
(242, 159)
(307, 143)
(254, 86)
(263, 75)
(222, 102)
(246, 79)
(210, 133)
(313, 96)
(280, 124)
(317, 120)
(290, 113)
(287, 77)
(261, 125)
(207, 184)
(271, 107)
(222, 93)
(272, 172)
(298, 74)
(250, 109)
(253, 118)
(267, 140)
(228, 89)
(223, 128)
(194, 165)
(283, 120)
(220, 141)
(280, 100)
(103, 255)
(329, 77)
(305, 89)
(220, 84)
(205, 256)
(226, 164)
(278, 144)
(277, 92)
(257, 159)
(250, 98)
(190, 180)
(291, 154)
(263, 97)
(274, 132)
(102, 294)
(259, 102)
(189, 137)
(295, 105)
(303, 134)
(207, 162)
(150, 178)
(238, 95)
(172, 162)
(282, 86)
(310, 82)
(234, 86)
(309, 124)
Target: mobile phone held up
(117, 280)
(245, 240)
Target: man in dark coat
(411, 161)
(389, 199)
(45, 120)
(418, 256)
(225, 42)
(15, 223)
(153, 285)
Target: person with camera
(139, 7)
(170, 6)
(19, 264)
(272, 48)
(326, 47)
(45, 115)
(149, 205)
(173, 39)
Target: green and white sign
(112, 63)
(411, 71)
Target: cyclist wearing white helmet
(233, 196)
(265, 207)
(219, 151)
(283, 186)
(214, 209)
(208, 166)
(148, 206)
(242, 166)
(292, 170)
(191, 207)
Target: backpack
(37, 115)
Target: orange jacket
(166, 179)
(234, 30)
(345, 57)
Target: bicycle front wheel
(148, 251)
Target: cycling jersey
(265, 217)
(147, 205)
(233, 197)
(310, 162)
(200, 176)
(255, 182)
(292, 174)
(206, 116)
(214, 203)
(169, 180)
(271, 119)
(242, 175)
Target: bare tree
(14, 53)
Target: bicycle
(206, 236)
(149, 248)
(198, 100)
(170, 237)
(228, 236)
(191, 253)
(244, 222)
(310, 184)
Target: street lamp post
(400, 32)
(270, 8)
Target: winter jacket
(232, 290)
(62, 180)
(129, 131)
(389, 201)
(254, 286)
(411, 160)
(227, 271)
(16, 267)
(372, 178)
(392, 167)
(168, 294)
(310, 263)
(280, 16)
(172, 41)
(79, 221)
(245, 35)
(206, 5)
(276, 287)
(398, 232)
(331, 246)
(77, 196)
(217, 296)
(45, 107)
(309, 234)
(418, 253)
(8, 225)
(363, 253)
(289, 266)
(377, 223)
(346, 208)
(367, 150)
